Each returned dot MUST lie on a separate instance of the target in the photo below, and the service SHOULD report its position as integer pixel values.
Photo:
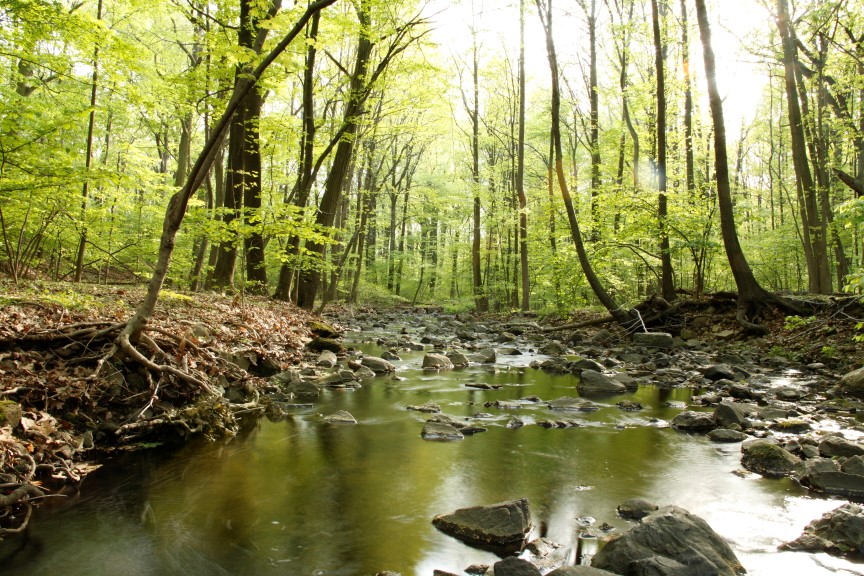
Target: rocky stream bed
(793, 418)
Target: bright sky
(740, 79)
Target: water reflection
(304, 497)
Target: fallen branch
(583, 324)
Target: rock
(788, 393)
(465, 428)
(768, 459)
(718, 372)
(854, 465)
(485, 356)
(579, 571)
(363, 372)
(428, 407)
(458, 359)
(729, 413)
(673, 534)
(740, 391)
(327, 359)
(653, 339)
(303, 391)
(390, 355)
(836, 483)
(505, 337)
(340, 417)
(10, 413)
(694, 421)
(578, 366)
(323, 329)
(515, 422)
(852, 383)
(726, 435)
(512, 566)
(840, 531)
(552, 349)
(509, 351)
(837, 446)
(790, 426)
(500, 525)
(568, 403)
(436, 362)
(440, 431)
(378, 365)
(594, 382)
(318, 344)
(629, 406)
(636, 508)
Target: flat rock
(670, 536)
(340, 417)
(428, 407)
(694, 421)
(726, 435)
(653, 339)
(440, 431)
(568, 403)
(499, 525)
(458, 359)
(836, 483)
(579, 571)
(594, 382)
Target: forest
(488, 156)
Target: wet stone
(340, 417)
(440, 431)
(726, 435)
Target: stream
(299, 496)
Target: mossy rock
(323, 329)
(318, 344)
(768, 459)
(10, 413)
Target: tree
(752, 298)
(620, 314)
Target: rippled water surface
(303, 497)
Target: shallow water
(303, 497)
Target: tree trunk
(751, 296)
(520, 170)
(667, 281)
(621, 315)
(481, 301)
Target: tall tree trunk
(812, 229)
(303, 183)
(751, 296)
(667, 281)
(88, 158)
(621, 315)
(520, 169)
(481, 301)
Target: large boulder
(670, 536)
(669, 541)
(733, 414)
(500, 525)
(837, 446)
(835, 483)
(593, 382)
(378, 365)
(768, 459)
(436, 362)
(840, 531)
(852, 383)
(692, 421)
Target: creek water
(299, 496)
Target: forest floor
(65, 402)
